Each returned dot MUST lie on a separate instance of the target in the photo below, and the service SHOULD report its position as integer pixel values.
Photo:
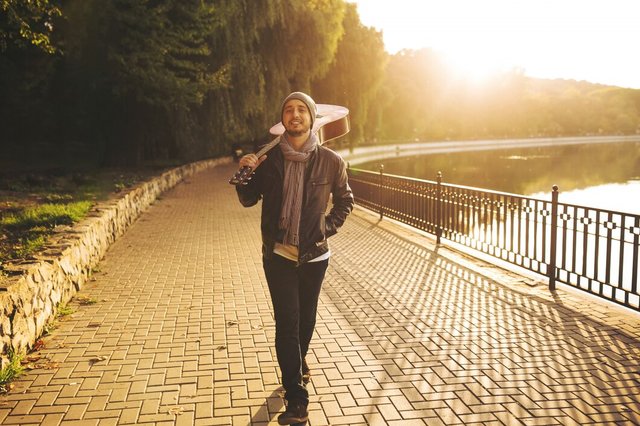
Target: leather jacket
(325, 176)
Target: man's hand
(252, 161)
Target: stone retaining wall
(31, 295)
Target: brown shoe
(306, 371)
(296, 413)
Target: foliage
(24, 22)
(355, 74)
(136, 82)
(64, 310)
(425, 100)
(271, 49)
(11, 371)
(157, 52)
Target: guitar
(332, 121)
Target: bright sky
(593, 40)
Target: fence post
(554, 238)
(439, 207)
(380, 205)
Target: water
(597, 175)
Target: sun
(474, 67)
(575, 39)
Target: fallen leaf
(50, 365)
(98, 359)
(39, 345)
(176, 411)
(221, 347)
(230, 323)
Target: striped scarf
(293, 187)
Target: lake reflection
(598, 175)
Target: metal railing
(590, 249)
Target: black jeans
(294, 295)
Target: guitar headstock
(242, 176)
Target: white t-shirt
(291, 252)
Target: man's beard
(296, 133)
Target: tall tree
(356, 74)
(27, 58)
(270, 49)
(157, 60)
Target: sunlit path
(181, 332)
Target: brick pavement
(176, 328)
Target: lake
(603, 175)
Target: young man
(295, 181)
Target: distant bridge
(366, 154)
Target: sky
(592, 40)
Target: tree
(27, 61)
(270, 48)
(24, 22)
(158, 67)
(356, 74)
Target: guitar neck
(267, 147)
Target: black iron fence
(591, 249)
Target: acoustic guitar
(332, 121)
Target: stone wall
(31, 295)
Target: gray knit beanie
(310, 103)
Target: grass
(64, 310)
(11, 371)
(33, 203)
(45, 215)
(25, 230)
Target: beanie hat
(306, 99)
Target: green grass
(11, 371)
(30, 227)
(64, 310)
(30, 244)
(47, 215)
(33, 202)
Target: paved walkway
(176, 328)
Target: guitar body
(332, 121)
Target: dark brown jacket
(325, 176)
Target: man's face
(296, 118)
